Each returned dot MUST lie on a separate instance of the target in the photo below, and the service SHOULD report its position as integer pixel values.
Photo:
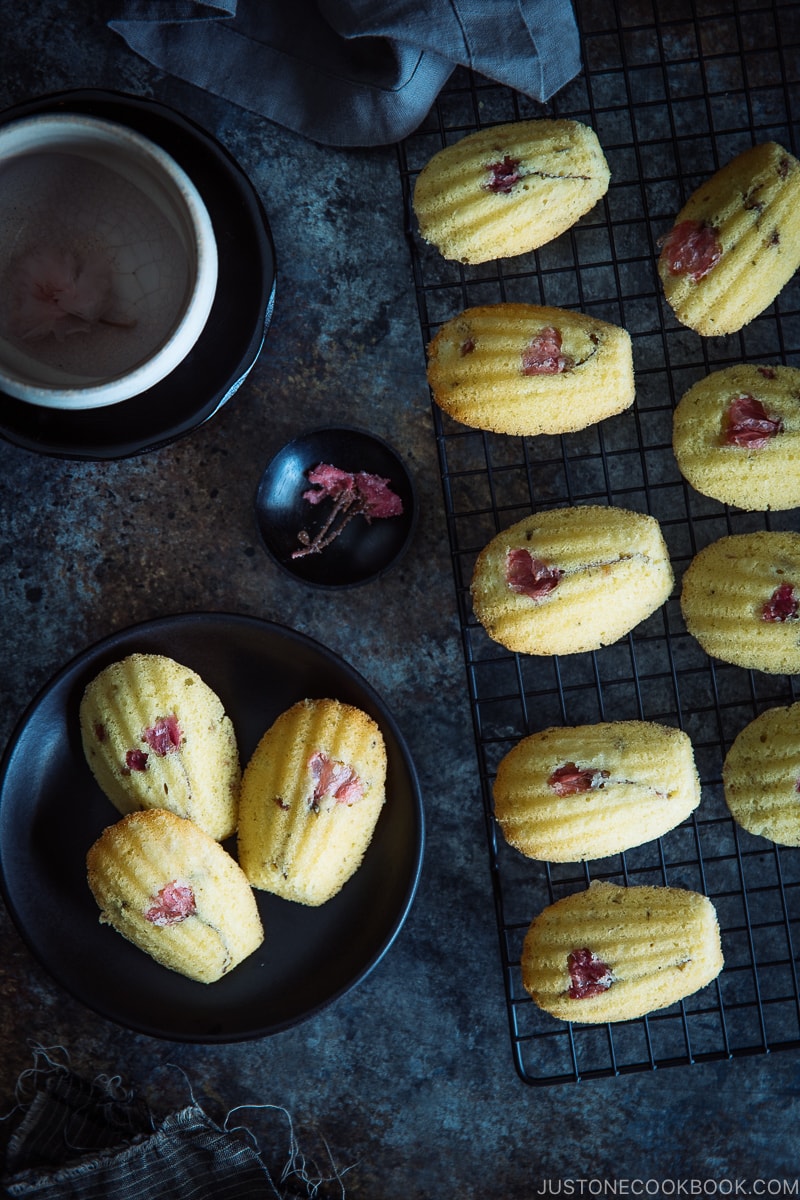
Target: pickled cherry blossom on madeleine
(735, 244)
(736, 436)
(741, 600)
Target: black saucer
(234, 334)
(364, 550)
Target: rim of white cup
(185, 195)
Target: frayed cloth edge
(190, 1118)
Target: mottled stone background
(409, 1080)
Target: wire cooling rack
(673, 90)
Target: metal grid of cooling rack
(674, 88)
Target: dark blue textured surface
(409, 1080)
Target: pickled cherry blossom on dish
(352, 494)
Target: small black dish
(365, 549)
(241, 313)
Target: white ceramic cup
(94, 203)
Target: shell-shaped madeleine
(614, 953)
(571, 793)
(155, 735)
(741, 600)
(507, 189)
(571, 579)
(736, 436)
(735, 243)
(311, 796)
(525, 369)
(761, 775)
(172, 890)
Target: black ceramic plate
(51, 811)
(237, 324)
(364, 550)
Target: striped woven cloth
(81, 1140)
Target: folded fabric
(82, 1140)
(352, 72)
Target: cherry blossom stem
(348, 506)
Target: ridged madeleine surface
(156, 736)
(615, 953)
(524, 369)
(571, 579)
(736, 436)
(508, 189)
(741, 600)
(312, 793)
(567, 794)
(174, 892)
(761, 776)
(749, 212)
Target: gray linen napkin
(82, 1140)
(352, 72)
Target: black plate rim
(257, 625)
(97, 101)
